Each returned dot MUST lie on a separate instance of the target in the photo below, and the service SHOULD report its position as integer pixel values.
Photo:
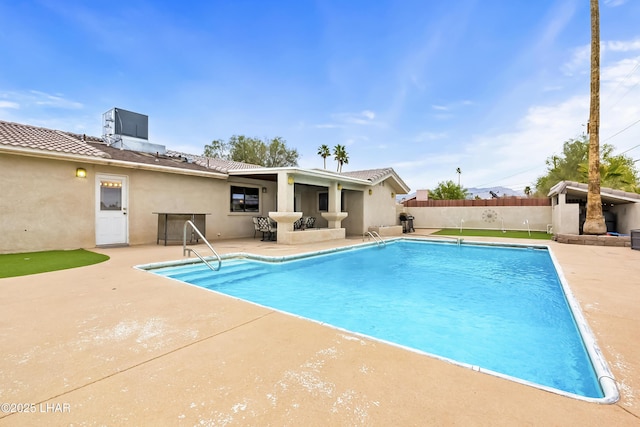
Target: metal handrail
(186, 250)
(374, 234)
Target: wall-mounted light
(370, 191)
(393, 195)
(81, 173)
(339, 186)
(264, 189)
(290, 180)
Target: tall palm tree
(341, 156)
(594, 223)
(324, 152)
(459, 172)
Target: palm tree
(341, 156)
(594, 223)
(459, 172)
(527, 191)
(324, 152)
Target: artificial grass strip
(517, 234)
(22, 264)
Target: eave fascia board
(302, 172)
(51, 155)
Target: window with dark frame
(245, 199)
(323, 202)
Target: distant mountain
(483, 193)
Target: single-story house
(62, 190)
(621, 209)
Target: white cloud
(581, 56)
(9, 104)
(328, 126)
(614, 3)
(579, 61)
(365, 117)
(34, 99)
(368, 114)
(514, 156)
(57, 101)
(429, 136)
(621, 46)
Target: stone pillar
(333, 216)
(286, 185)
(285, 216)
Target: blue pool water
(502, 309)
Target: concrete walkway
(110, 345)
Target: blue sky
(493, 87)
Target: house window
(323, 202)
(245, 199)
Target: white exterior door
(112, 225)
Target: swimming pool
(497, 309)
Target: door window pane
(110, 195)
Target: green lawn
(495, 233)
(22, 264)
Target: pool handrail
(186, 250)
(374, 234)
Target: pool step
(200, 273)
(195, 268)
(215, 282)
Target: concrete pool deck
(111, 345)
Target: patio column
(333, 216)
(285, 216)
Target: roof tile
(37, 138)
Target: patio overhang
(580, 190)
(287, 178)
(316, 177)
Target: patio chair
(267, 228)
(298, 224)
(256, 226)
(310, 221)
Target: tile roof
(219, 165)
(37, 138)
(50, 140)
(369, 174)
(147, 158)
(564, 186)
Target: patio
(110, 345)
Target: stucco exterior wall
(628, 217)
(565, 216)
(44, 206)
(493, 217)
(353, 224)
(379, 207)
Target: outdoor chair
(267, 227)
(256, 226)
(310, 222)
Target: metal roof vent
(127, 130)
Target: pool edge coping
(603, 373)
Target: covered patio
(341, 204)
